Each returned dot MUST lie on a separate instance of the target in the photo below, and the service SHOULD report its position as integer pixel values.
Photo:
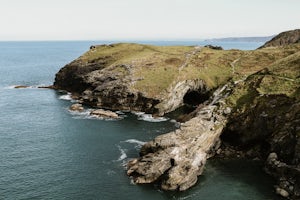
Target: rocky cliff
(284, 38)
(250, 98)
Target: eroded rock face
(176, 93)
(269, 128)
(177, 158)
(103, 87)
(110, 88)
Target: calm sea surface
(46, 152)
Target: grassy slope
(155, 68)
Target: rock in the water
(21, 86)
(47, 87)
(104, 113)
(272, 156)
(77, 107)
(282, 192)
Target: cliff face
(131, 77)
(265, 123)
(156, 79)
(283, 39)
(254, 106)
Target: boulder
(282, 192)
(76, 107)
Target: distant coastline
(241, 39)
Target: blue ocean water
(46, 152)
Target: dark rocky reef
(283, 39)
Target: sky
(145, 19)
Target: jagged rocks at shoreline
(257, 116)
(177, 158)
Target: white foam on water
(86, 114)
(21, 88)
(66, 97)
(134, 141)
(150, 118)
(187, 197)
(25, 86)
(137, 113)
(120, 112)
(177, 124)
(132, 182)
(9, 87)
(81, 114)
(123, 154)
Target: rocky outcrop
(103, 87)
(214, 47)
(284, 39)
(104, 114)
(179, 90)
(76, 107)
(177, 158)
(102, 81)
(268, 127)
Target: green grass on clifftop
(155, 68)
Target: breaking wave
(134, 141)
(149, 118)
(66, 97)
(123, 154)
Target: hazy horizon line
(130, 39)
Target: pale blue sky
(141, 19)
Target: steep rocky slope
(250, 97)
(283, 39)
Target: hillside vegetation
(155, 68)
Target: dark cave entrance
(195, 98)
(191, 101)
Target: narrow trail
(233, 65)
(188, 57)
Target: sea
(48, 152)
